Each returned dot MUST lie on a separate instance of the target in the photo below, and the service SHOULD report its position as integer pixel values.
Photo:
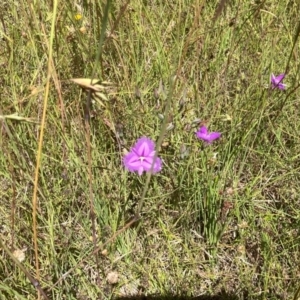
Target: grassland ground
(218, 218)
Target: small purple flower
(140, 157)
(206, 136)
(276, 81)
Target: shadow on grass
(222, 296)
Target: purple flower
(206, 136)
(140, 157)
(276, 81)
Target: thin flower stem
(101, 39)
(91, 194)
(40, 143)
(87, 117)
(158, 144)
(296, 36)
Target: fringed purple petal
(140, 158)
(276, 81)
(204, 135)
(144, 146)
(214, 135)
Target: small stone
(19, 254)
(104, 252)
(112, 277)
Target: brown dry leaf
(16, 117)
(95, 85)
